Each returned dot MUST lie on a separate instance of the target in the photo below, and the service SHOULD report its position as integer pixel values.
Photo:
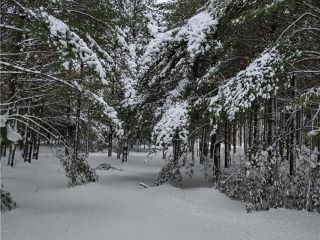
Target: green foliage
(262, 189)
(79, 171)
(7, 203)
(169, 174)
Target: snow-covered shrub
(170, 173)
(79, 171)
(7, 203)
(263, 189)
(107, 166)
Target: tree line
(234, 82)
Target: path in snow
(116, 208)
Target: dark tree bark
(227, 157)
(119, 147)
(110, 140)
(212, 144)
(176, 149)
(216, 159)
(77, 132)
(205, 146)
(125, 150)
(192, 151)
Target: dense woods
(232, 84)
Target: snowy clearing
(118, 208)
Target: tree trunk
(234, 137)
(68, 133)
(205, 146)
(216, 160)
(192, 151)
(88, 132)
(212, 145)
(176, 149)
(119, 149)
(125, 150)
(77, 132)
(110, 135)
(11, 154)
(3, 149)
(227, 157)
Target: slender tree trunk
(88, 132)
(250, 137)
(176, 149)
(227, 157)
(30, 148)
(245, 142)
(11, 154)
(192, 151)
(3, 149)
(212, 145)
(234, 137)
(35, 146)
(216, 158)
(26, 139)
(110, 140)
(270, 127)
(77, 132)
(240, 134)
(205, 148)
(125, 150)
(119, 147)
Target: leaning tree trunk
(36, 143)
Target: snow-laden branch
(12, 27)
(66, 39)
(27, 70)
(195, 32)
(174, 120)
(109, 111)
(258, 80)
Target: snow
(314, 132)
(258, 80)
(117, 208)
(175, 119)
(195, 32)
(13, 135)
(3, 119)
(64, 37)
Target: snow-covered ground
(116, 208)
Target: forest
(222, 96)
